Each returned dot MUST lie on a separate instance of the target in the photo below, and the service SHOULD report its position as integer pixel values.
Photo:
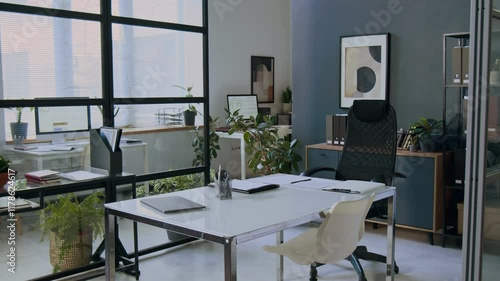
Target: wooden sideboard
(419, 196)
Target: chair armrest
(399, 175)
(323, 214)
(388, 177)
(315, 170)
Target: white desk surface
(246, 216)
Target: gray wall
(416, 29)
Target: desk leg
(110, 234)
(391, 233)
(243, 159)
(279, 258)
(230, 259)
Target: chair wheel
(362, 279)
(396, 269)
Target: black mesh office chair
(369, 154)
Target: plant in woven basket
(73, 226)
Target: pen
(343, 190)
(300, 181)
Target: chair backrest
(370, 147)
(337, 236)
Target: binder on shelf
(465, 65)
(342, 128)
(456, 64)
(336, 130)
(329, 129)
(102, 155)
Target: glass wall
(131, 63)
(482, 198)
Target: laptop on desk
(171, 204)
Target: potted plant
(413, 143)
(425, 128)
(271, 154)
(286, 98)
(19, 130)
(4, 171)
(72, 226)
(191, 112)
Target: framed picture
(262, 71)
(364, 68)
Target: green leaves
(270, 154)
(199, 142)
(68, 218)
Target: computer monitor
(57, 123)
(247, 104)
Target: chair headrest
(370, 110)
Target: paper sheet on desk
(356, 186)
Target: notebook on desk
(171, 204)
(249, 186)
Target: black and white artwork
(364, 68)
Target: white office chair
(333, 241)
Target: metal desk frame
(134, 210)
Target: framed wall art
(262, 85)
(364, 68)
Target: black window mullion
(206, 95)
(107, 63)
(50, 12)
(158, 24)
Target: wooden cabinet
(418, 197)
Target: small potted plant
(191, 112)
(73, 227)
(4, 171)
(413, 143)
(425, 128)
(19, 130)
(286, 98)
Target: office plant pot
(413, 147)
(77, 253)
(19, 130)
(427, 145)
(287, 107)
(189, 117)
(4, 178)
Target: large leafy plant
(69, 218)
(270, 153)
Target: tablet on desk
(171, 204)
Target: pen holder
(224, 189)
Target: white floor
(204, 260)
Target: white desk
(133, 153)
(243, 218)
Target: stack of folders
(43, 177)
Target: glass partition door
(481, 242)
